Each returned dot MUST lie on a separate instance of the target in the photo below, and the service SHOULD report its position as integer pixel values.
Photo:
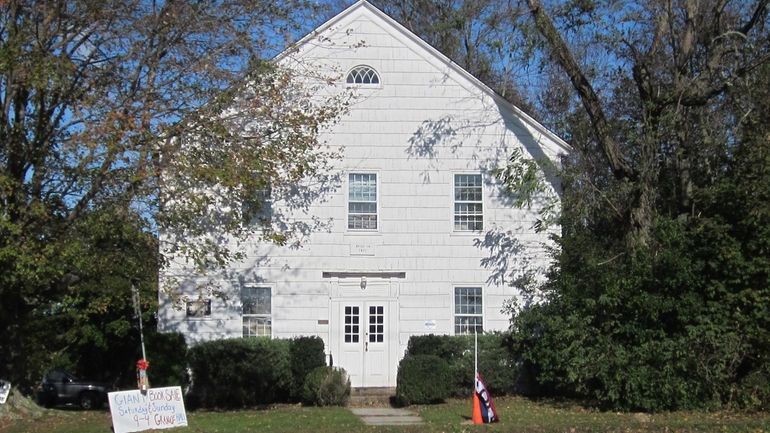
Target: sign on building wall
(158, 408)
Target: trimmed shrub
(326, 386)
(306, 354)
(497, 365)
(444, 346)
(422, 379)
(240, 372)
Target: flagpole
(475, 356)
(476, 417)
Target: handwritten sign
(158, 408)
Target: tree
(656, 301)
(105, 106)
(475, 34)
(680, 56)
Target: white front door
(364, 340)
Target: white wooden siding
(474, 133)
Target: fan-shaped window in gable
(363, 75)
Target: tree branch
(620, 167)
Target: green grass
(522, 415)
(518, 415)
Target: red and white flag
(488, 412)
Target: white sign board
(158, 408)
(430, 324)
(5, 389)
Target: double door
(363, 336)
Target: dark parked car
(60, 387)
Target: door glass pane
(351, 331)
(376, 324)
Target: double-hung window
(256, 315)
(259, 208)
(469, 207)
(362, 201)
(468, 310)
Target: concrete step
(371, 397)
(387, 416)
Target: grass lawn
(518, 415)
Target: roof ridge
(436, 53)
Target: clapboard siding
(426, 122)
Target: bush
(448, 347)
(326, 386)
(497, 365)
(657, 330)
(167, 353)
(240, 372)
(306, 354)
(422, 379)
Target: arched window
(363, 74)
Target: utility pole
(138, 314)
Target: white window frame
(258, 316)
(455, 202)
(456, 315)
(364, 85)
(376, 202)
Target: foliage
(110, 116)
(326, 386)
(658, 297)
(306, 355)
(240, 372)
(478, 35)
(447, 347)
(497, 365)
(422, 379)
(90, 308)
(656, 331)
(167, 353)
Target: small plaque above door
(361, 249)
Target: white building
(411, 221)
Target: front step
(371, 397)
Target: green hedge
(326, 386)
(306, 355)
(497, 365)
(244, 372)
(422, 379)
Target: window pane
(468, 325)
(257, 326)
(362, 75)
(376, 318)
(255, 300)
(255, 311)
(365, 208)
(351, 331)
(468, 310)
(468, 207)
(258, 208)
(362, 201)
(201, 308)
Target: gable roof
(562, 145)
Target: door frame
(382, 291)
